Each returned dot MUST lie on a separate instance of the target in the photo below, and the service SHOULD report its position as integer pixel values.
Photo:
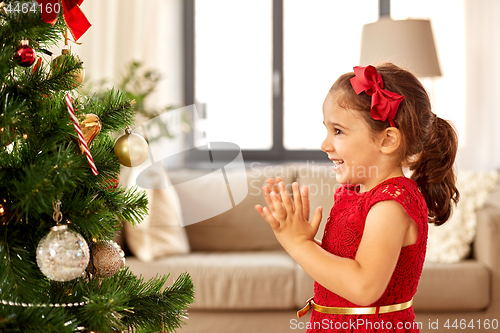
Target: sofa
(245, 282)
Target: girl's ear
(391, 139)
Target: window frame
(278, 152)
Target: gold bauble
(131, 149)
(79, 75)
(107, 259)
(90, 126)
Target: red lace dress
(342, 236)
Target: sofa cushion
(304, 287)
(494, 198)
(462, 286)
(159, 233)
(237, 281)
(240, 228)
(451, 242)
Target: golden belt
(353, 311)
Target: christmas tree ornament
(131, 149)
(112, 183)
(91, 126)
(5, 214)
(73, 16)
(25, 56)
(107, 259)
(76, 124)
(37, 65)
(79, 74)
(62, 255)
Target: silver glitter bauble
(62, 255)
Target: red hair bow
(384, 103)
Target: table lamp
(406, 43)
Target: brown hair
(429, 143)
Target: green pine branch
(34, 320)
(18, 268)
(41, 163)
(134, 303)
(115, 110)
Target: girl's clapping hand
(289, 217)
(273, 186)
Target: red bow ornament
(75, 19)
(384, 103)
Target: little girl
(369, 262)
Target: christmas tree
(60, 206)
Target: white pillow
(160, 233)
(451, 242)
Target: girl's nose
(326, 146)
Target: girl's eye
(337, 131)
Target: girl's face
(349, 144)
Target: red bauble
(112, 182)
(25, 55)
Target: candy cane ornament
(76, 124)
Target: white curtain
(481, 148)
(149, 31)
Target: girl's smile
(337, 164)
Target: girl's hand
(273, 186)
(286, 216)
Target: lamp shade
(406, 43)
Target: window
(321, 42)
(259, 70)
(233, 63)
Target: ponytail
(433, 171)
